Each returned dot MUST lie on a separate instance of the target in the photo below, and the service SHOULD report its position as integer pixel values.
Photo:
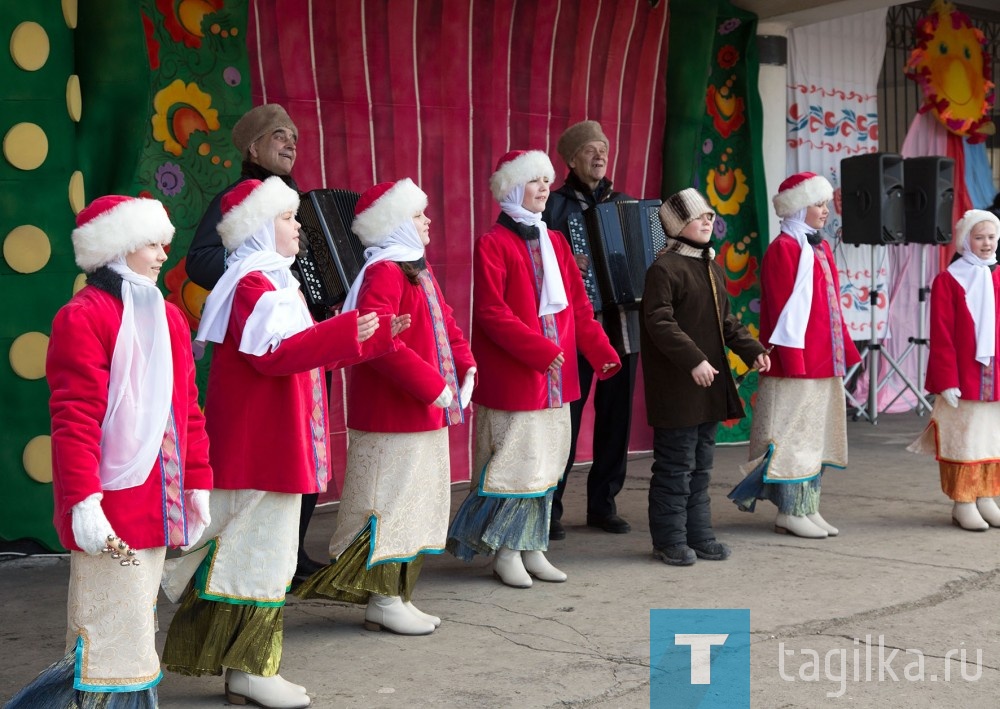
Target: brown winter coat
(679, 330)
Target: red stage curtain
(437, 90)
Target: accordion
(621, 240)
(333, 254)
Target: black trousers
(612, 424)
(679, 505)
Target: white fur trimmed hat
(116, 225)
(800, 191)
(382, 208)
(679, 210)
(964, 227)
(251, 204)
(519, 167)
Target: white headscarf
(552, 298)
(790, 330)
(140, 386)
(403, 244)
(278, 314)
(975, 277)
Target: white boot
(989, 510)
(538, 566)
(432, 619)
(297, 687)
(966, 515)
(509, 569)
(389, 613)
(831, 531)
(273, 692)
(799, 526)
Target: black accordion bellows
(334, 255)
(621, 240)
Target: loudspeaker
(929, 194)
(872, 199)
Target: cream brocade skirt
(251, 549)
(402, 482)
(805, 420)
(520, 453)
(111, 613)
(967, 434)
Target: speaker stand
(870, 354)
(916, 344)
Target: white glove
(444, 398)
(468, 384)
(196, 514)
(90, 527)
(952, 396)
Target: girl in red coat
(530, 315)
(266, 414)
(397, 492)
(130, 467)
(799, 425)
(962, 371)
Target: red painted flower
(726, 110)
(152, 46)
(184, 293)
(739, 265)
(183, 18)
(728, 56)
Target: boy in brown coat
(686, 326)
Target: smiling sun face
(950, 64)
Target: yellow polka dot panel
(27, 355)
(37, 459)
(25, 146)
(29, 46)
(26, 249)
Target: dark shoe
(711, 550)
(556, 530)
(676, 555)
(613, 524)
(304, 569)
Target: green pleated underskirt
(206, 636)
(348, 578)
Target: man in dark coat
(584, 148)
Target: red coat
(78, 368)
(952, 359)
(510, 348)
(258, 409)
(777, 276)
(395, 393)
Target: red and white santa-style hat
(382, 208)
(519, 167)
(250, 205)
(115, 225)
(800, 191)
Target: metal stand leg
(874, 350)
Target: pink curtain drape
(438, 90)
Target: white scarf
(403, 244)
(140, 386)
(552, 298)
(790, 330)
(973, 274)
(278, 314)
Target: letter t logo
(701, 653)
